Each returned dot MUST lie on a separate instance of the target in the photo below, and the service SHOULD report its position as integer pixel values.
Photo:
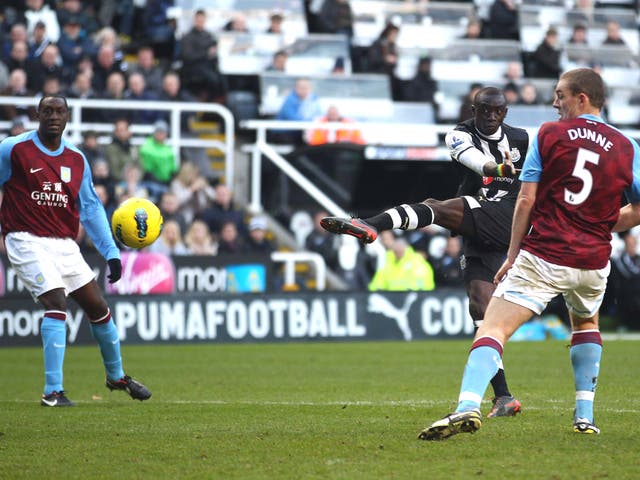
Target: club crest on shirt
(65, 174)
(515, 154)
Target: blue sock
(482, 365)
(106, 335)
(54, 344)
(585, 359)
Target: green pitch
(313, 411)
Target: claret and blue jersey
(47, 193)
(582, 167)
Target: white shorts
(533, 282)
(44, 263)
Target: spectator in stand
(383, 52)
(626, 283)
(105, 65)
(118, 15)
(81, 88)
(73, 45)
(114, 90)
(514, 72)
(92, 150)
(18, 126)
(422, 87)
(579, 35)
(258, 241)
(104, 194)
(503, 20)
(121, 151)
(50, 87)
(613, 34)
(169, 206)
(321, 136)
(170, 240)
(85, 15)
(193, 191)
(322, 242)
(546, 58)
(511, 93)
(465, 107)
(237, 23)
(279, 61)
(199, 55)
(199, 239)
(18, 33)
(230, 242)
(335, 16)
(447, 270)
(18, 56)
(17, 87)
(172, 91)
(221, 210)
(473, 29)
(403, 269)
(38, 40)
(132, 184)
(101, 175)
(529, 95)
(275, 23)
(156, 157)
(159, 29)
(301, 104)
(147, 65)
(137, 90)
(39, 11)
(47, 65)
(108, 37)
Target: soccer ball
(137, 222)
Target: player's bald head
(490, 95)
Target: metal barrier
(290, 259)
(76, 126)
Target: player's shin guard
(54, 344)
(585, 352)
(106, 334)
(499, 380)
(482, 365)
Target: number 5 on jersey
(583, 174)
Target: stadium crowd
(128, 50)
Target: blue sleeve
(94, 217)
(5, 158)
(633, 192)
(532, 167)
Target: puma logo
(379, 304)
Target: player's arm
(462, 149)
(94, 218)
(5, 159)
(629, 217)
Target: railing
(291, 259)
(76, 125)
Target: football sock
(499, 381)
(585, 352)
(54, 344)
(482, 365)
(405, 217)
(106, 334)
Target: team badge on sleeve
(65, 174)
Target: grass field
(313, 411)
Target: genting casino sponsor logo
(144, 273)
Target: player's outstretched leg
(350, 226)
(405, 217)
